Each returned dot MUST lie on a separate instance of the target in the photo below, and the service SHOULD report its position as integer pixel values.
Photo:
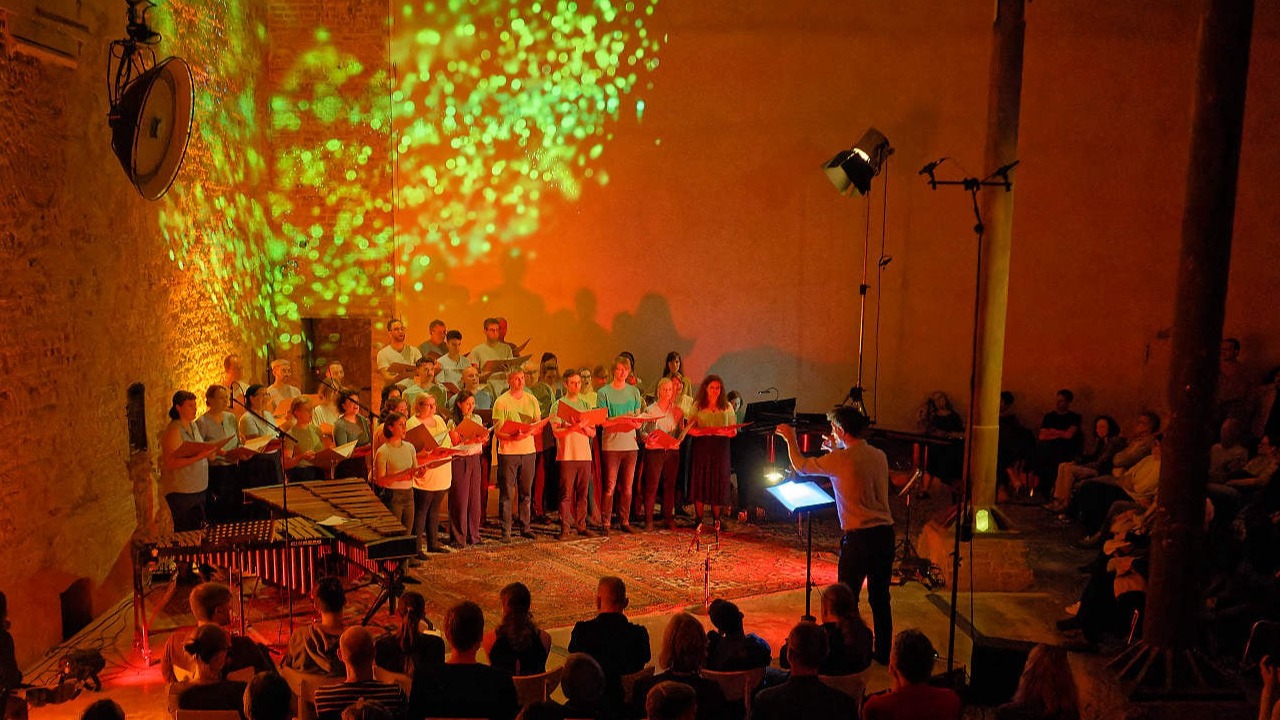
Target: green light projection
(213, 218)
(489, 113)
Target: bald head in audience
(355, 649)
(611, 595)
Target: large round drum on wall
(151, 125)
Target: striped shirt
(331, 700)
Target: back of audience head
(806, 647)
(104, 709)
(328, 595)
(464, 626)
(544, 710)
(211, 603)
(611, 594)
(912, 657)
(841, 607)
(355, 647)
(267, 697)
(366, 709)
(670, 700)
(517, 621)
(582, 681)
(1046, 686)
(726, 617)
(207, 643)
(684, 644)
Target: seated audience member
(543, 710)
(1231, 398)
(208, 690)
(104, 709)
(1100, 499)
(366, 709)
(314, 648)
(462, 687)
(518, 646)
(1228, 455)
(849, 640)
(620, 646)
(729, 647)
(268, 697)
(1264, 411)
(1139, 443)
(408, 649)
(355, 650)
(582, 683)
(1058, 439)
(912, 697)
(684, 651)
(671, 701)
(1046, 690)
(1097, 461)
(211, 604)
(939, 417)
(804, 695)
(1014, 444)
(1257, 472)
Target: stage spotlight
(851, 170)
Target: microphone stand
(971, 185)
(282, 436)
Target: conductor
(860, 480)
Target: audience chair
(384, 675)
(537, 688)
(629, 682)
(738, 685)
(852, 685)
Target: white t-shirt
(388, 355)
(440, 477)
(860, 477)
(396, 460)
(450, 371)
(574, 445)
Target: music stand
(803, 496)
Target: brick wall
(92, 302)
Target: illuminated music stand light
(803, 496)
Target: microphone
(767, 390)
(1003, 171)
(928, 169)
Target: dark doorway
(345, 340)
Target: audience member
(1231, 399)
(268, 697)
(620, 646)
(462, 687)
(366, 709)
(518, 646)
(1013, 446)
(1264, 411)
(1228, 455)
(1100, 499)
(211, 604)
(355, 650)
(314, 648)
(684, 652)
(1058, 440)
(1046, 690)
(729, 646)
(582, 683)
(671, 701)
(408, 649)
(912, 697)
(939, 417)
(849, 640)
(105, 709)
(804, 695)
(1269, 703)
(208, 690)
(1107, 441)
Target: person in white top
(185, 477)
(263, 468)
(453, 362)
(215, 424)
(233, 381)
(470, 478)
(515, 452)
(661, 464)
(860, 478)
(397, 351)
(281, 390)
(493, 348)
(391, 465)
(573, 451)
(431, 487)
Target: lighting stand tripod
(910, 566)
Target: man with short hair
(573, 452)
(516, 452)
(619, 645)
(671, 700)
(267, 697)
(397, 352)
(860, 479)
(280, 390)
(912, 697)
(211, 604)
(452, 362)
(334, 373)
(493, 348)
(435, 342)
(804, 695)
(355, 649)
(232, 380)
(462, 686)
(424, 381)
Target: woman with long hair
(684, 655)
(518, 645)
(1046, 690)
(468, 479)
(408, 649)
(711, 429)
(1107, 441)
(673, 367)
